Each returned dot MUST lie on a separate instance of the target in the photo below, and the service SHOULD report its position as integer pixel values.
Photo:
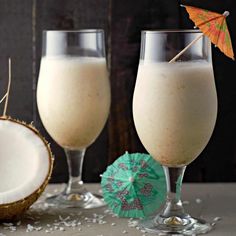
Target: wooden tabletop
(201, 200)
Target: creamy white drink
(175, 109)
(73, 97)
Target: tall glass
(73, 98)
(174, 110)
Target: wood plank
(16, 38)
(126, 28)
(21, 25)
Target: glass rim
(161, 31)
(75, 31)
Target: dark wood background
(21, 25)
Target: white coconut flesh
(24, 161)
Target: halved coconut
(25, 167)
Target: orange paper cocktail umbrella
(214, 26)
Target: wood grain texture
(21, 25)
(15, 42)
(126, 28)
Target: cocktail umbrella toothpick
(214, 26)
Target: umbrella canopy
(134, 185)
(214, 26)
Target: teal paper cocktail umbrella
(134, 185)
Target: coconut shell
(13, 210)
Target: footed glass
(174, 111)
(73, 98)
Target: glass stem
(173, 206)
(75, 160)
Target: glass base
(85, 200)
(175, 225)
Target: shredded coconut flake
(217, 218)
(198, 200)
